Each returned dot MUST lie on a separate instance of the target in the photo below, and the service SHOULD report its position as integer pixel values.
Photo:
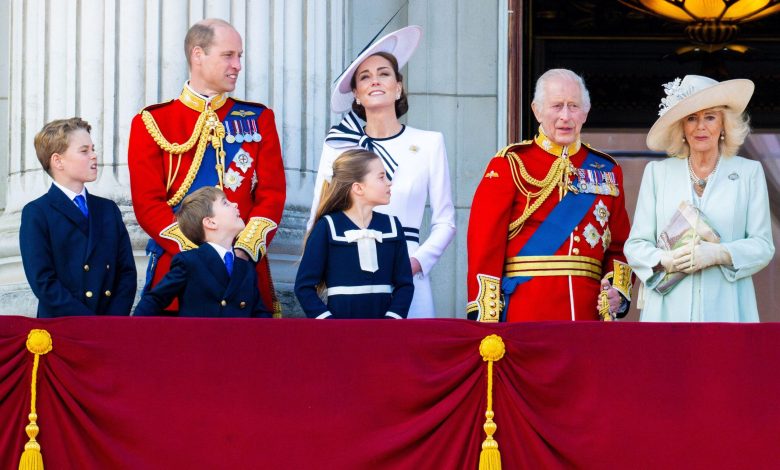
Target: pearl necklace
(701, 183)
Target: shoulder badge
(242, 113)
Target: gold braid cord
(558, 176)
(492, 349)
(208, 129)
(39, 343)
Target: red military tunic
(565, 284)
(251, 173)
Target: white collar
(221, 250)
(71, 195)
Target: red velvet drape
(160, 393)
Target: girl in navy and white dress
(416, 160)
(357, 257)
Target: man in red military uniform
(207, 138)
(561, 205)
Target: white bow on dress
(366, 242)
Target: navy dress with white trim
(353, 292)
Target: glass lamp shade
(695, 11)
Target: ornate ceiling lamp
(710, 23)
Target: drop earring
(722, 136)
(357, 101)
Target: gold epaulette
(505, 150)
(152, 107)
(488, 303)
(174, 233)
(253, 238)
(620, 277)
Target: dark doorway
(625, 56)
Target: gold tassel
(604, 313)
(38, 343)
(492, 349)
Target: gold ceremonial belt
(534, 266)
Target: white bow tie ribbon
(366, 243)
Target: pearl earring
(723, 136)
(683, 139)
(357, 101)
(398, 97)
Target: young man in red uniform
(205, 138)
(561, 205)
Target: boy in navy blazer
(75, 248)
(209, 281)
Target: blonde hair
(55, 138)
(349, 168)
(194, 208)
(736, 127)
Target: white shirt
(221, 250)
(71, 195)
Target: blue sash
(557, 226)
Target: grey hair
(566, 74)
(736, 127)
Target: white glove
(668, 258)
(703, 255)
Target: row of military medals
(242, 131)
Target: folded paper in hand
(686, 223)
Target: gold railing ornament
(39, 343)
(492, 349)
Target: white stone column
(105, 61)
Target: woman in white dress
(415, 160)
(701, 124)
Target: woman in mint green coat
(701, 127)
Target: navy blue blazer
(75, 265)
(199, 279)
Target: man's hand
(613, 296)
(241, 254)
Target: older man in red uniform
(207, 138)
(561, 207)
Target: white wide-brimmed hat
(692, 94)
(401, 44)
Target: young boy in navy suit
(208, 281)
(75, 248)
